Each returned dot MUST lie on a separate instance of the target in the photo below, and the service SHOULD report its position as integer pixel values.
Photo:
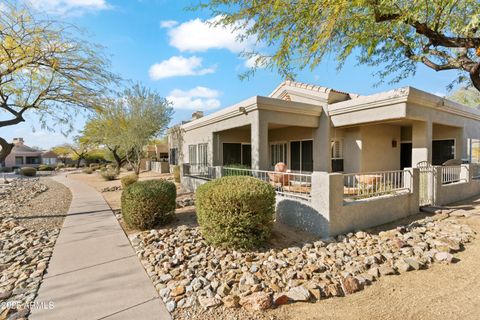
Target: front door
(442, 150)
(405, 155)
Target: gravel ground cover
(31, 214)
(197, 281)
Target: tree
(102, 130)
(80, 150)
(397, 34)
(466, 95)
(130, 122)
(144, 115)
(63, 152)
(47, 70)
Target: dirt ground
(113, 197)
(440, 292)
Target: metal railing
(287, 184)
(202, 171)
(450, 174)
(373, 184)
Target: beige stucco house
(353, 161)
(313, 128)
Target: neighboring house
(156, 158)
(350, 157)
(23, 155)
(50, 158)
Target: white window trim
(342, 149)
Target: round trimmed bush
(45, 167)
(28, 172)
(146, 204)
(109, 175)
(235, 211)
(128, 180)
(88, 170)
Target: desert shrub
(236, 211)
(6, 169)
(176, 173)
(128, 180)
(28, 172)
(111, 166)
(60, 165)
(87, 170)
(146, 204)
(109, 175)
(45, 167)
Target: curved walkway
(94, 272)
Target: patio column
(321, 145)
(259, 142)
(421, 142)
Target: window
(18, 160)
(278, 153)
(192, 154)
(202, 153)
(301, 155)
(337, 155)
(32, 160)
(237, 153)
(173, 156)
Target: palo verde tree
(102, 130)
(144, 115)
(47, 70)
(128, 123)
(393, 34)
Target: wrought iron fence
(287, 184)
(201, 171)
(374, 184)
(450, 174)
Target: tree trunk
(475, 76)
(78, 162)
(6, 149)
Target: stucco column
(460, 144)
(421, 142)
(259, 142)
(321, 145)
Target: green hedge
(236, 211)
(146, 204)
(28, 172)
(128, 180)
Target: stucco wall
(378, 154)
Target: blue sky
(173, 51)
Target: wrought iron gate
(427, 185)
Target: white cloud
(256, 61)
(197, 35)
(70, 7)
(440, 94)
(179, 66)
(198, 98)
(167, 24)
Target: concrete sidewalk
(94, 272)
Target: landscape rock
(256, 301)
